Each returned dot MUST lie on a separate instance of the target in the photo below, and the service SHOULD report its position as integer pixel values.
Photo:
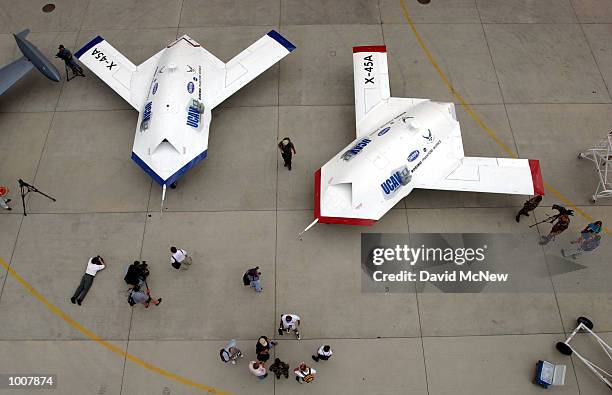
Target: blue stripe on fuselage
(173, 177)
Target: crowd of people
(303, 372)
(139, 293)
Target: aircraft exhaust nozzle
(36, 57)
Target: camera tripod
(550, 219)
(27, 188)
(78, 69)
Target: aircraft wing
(12, 72)
(250, 63)
(130, 81)
(493, 175)
(371, 80)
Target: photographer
(94, 265)
(65, 55)
(529, 205)
(560, 223)
(137, 273)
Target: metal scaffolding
(601, 155)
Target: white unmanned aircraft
(403, 144)
(175, 91)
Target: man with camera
(65, 55)
(137, 273)
(560, 223)
(94, 265)
(529, 205)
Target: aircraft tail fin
(130, 81)
(23, 33)
(371, 78)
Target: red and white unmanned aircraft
(403, 144)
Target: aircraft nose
(53, 75)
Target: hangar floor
(537, 73)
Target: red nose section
(333, 220)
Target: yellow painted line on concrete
(470, 111)
(89, 334)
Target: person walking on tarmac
(287, 150)
(589, 240)
(560, 223)
(529, 205)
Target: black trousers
(83, 288)
(287, 159)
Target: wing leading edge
(117, 71)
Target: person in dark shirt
(263, 347)
(67, 57)
(252, 278)
(561, 224)
(529, 205)
(280, 368)
(137, 274)
(287, 150)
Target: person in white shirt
(94, 265)
(179, 258)
(258, 369)
(304, 373)
(323, 353)
(288, 323)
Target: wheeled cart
(585, 325)
(601, 155)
